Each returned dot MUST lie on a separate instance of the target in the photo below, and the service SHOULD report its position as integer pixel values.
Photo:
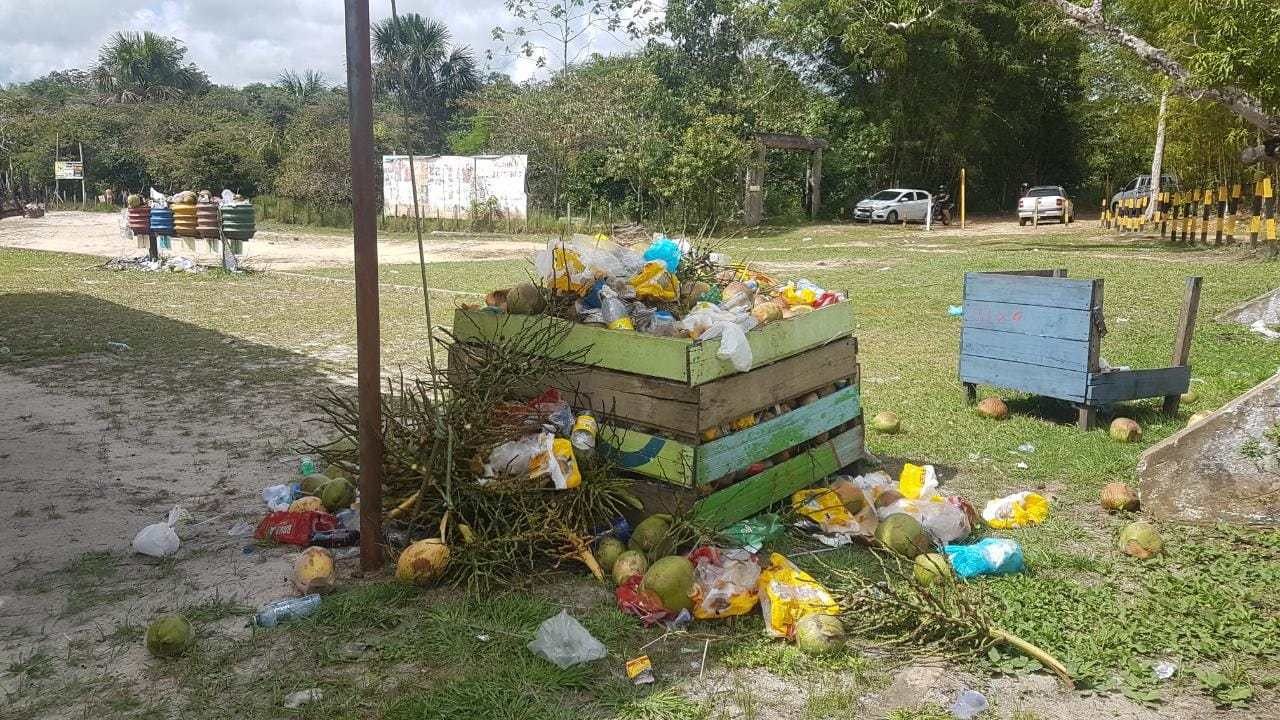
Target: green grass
(382, 650)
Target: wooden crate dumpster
(667, 397)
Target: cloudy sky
(235, 41)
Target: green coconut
(993, 408)
(631, 562)
(1141, 540)
(931, 568)
(671, 579)
(333, 472)
(312, 483)
(170, 636)
(653, 537)
(337, 494)
(819, 634)
(608, 552)
(1190, 396)
(134, 200)
(903, 535)
(525, 299)
(887, 423)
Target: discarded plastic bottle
(968, 705)
(339, 537)
(306, 466)
(743, 299)
(584, 433)
(615, 313)
(274, 612)
(348, 518)
(663, 323)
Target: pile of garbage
(669, 288)
(142, 263)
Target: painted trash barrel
(139, 220)
(161, 221)
(184, 219)
(207, 220)
(237, 222)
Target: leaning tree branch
(899, 26)
(1235, 99)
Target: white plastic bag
(734, 347)
(277, 497)
(564, 641)
(159, 539)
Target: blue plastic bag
(988, 556)
(666, 250)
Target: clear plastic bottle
(306, 466)
(663, 323)
(614, 311)
(741, 300)
(584, 433)
(273, 613)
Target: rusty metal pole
(365, 225)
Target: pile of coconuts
(650, 553)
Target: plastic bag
(159, 539)
(278, 497)
(734, 346)
(665, 250)
(988, 556)
(655, 282)
(917, 482)
(644, 604)
(529, 455)
(574, 266)
(564, 470)
(724, 582)
(788, 594)
(751, 534)
(294, 528)
(825, 507)
(562, 640)
(1018, 510)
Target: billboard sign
(68, 170)
(448, 185)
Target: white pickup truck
(1043, 203)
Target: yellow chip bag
(788, 594)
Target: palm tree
(303, 87)
(135, 67)
(417, 64)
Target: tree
(302, 88)
(567, 27)
(139, 67)
(418, 66)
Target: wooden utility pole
(83, 198)
(1186, 330)
(961, 198)
(365, 226)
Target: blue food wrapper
(666, 250)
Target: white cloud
(235, 41)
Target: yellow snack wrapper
(788, 594)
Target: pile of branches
(438, 430)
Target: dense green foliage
(1003, 88)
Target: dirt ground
(99, 234)
(93, 450)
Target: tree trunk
(1157, 157)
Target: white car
(1043, 203)
(893, 206)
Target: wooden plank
(1186, 330)
(1050, 352)
(748, 497)
(774, 341)
(1029, 290)
(623, 350)
(1121, 385)
(781, 141)
(1036, 379)
(650, 455)
(733, 452)
(732, 397)
(665, 404)
(1038, 320)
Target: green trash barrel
(237, 222)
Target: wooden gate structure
(753, 205)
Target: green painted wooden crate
(664, 394)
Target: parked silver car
(1043, 203)
(894, 205)
(1140, 186)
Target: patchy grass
(381, 650)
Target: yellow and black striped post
(1269, 200)
(1175, 199)
(1233, 207)
(1206, 203)
(1221, 210)
(1255, 220)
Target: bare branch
(903, 25)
